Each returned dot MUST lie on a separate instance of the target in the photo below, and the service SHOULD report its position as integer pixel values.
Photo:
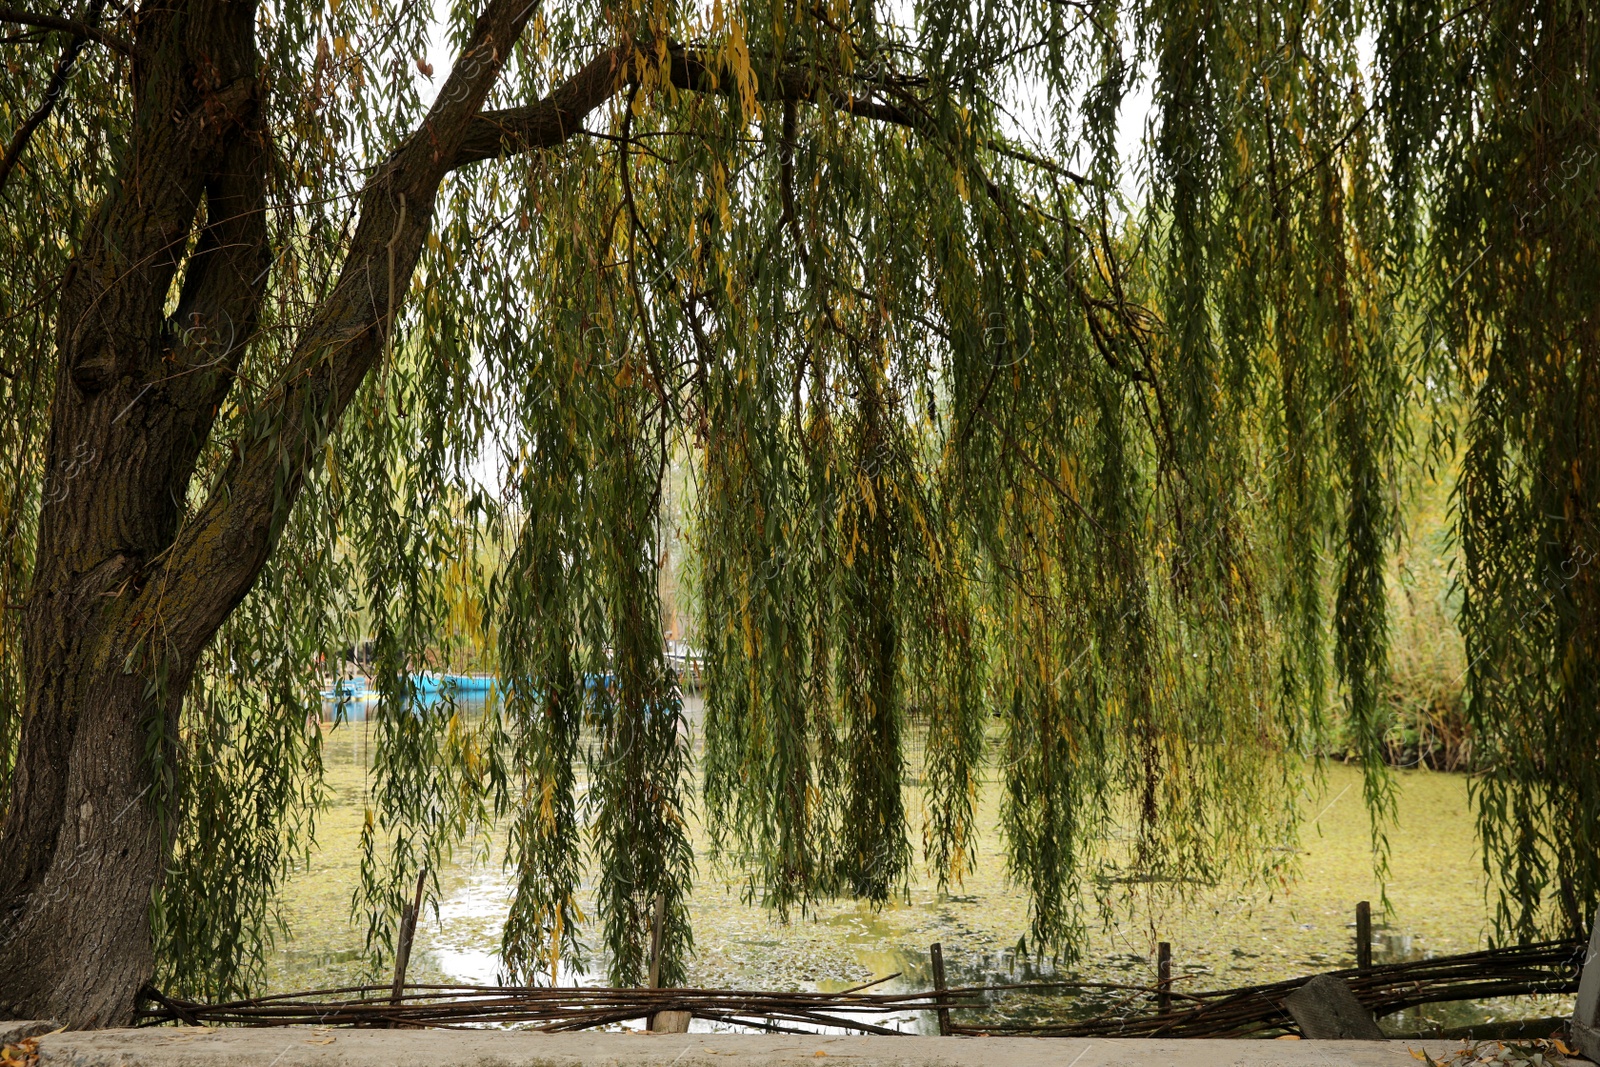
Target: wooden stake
(407, 935)
(1164, 976)
(936, 954)
(663, 1022)
(1364, 935)
(656, 931)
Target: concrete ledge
(292, 1046)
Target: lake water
(1224, 936)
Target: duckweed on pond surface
(1223, 937)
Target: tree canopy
(969, 430)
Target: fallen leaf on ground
(24, 1053)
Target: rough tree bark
(128, 591)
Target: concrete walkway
(292, 1046)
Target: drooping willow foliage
(973, 436)
(1496, 165)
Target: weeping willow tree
(971, 435)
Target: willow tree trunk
(83, 846)
(129, 588)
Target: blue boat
(350, 690)
(430, 686)
(350, 697)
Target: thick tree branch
(87, 30)
(511, 131)
(549, 122)
(216, 316)
(135, 247)
(216, 558)
(801, 85)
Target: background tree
(969, 435)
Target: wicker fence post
(1364, 936)
(936, 954)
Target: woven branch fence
(555, 1009)
(1548, 968)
